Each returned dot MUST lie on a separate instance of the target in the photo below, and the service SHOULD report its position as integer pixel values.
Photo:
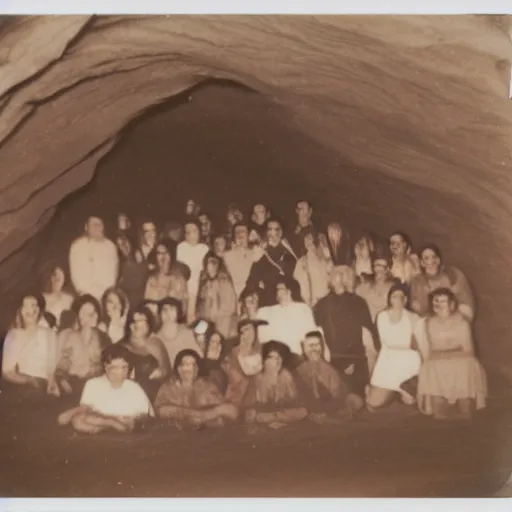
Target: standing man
(304, 211)
(93, 260)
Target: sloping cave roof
(422, 101)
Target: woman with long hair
(115, 306)
(56, 298)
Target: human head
(172, 230)
(274, 231)
(313, 346)
(170, 311)
(124, 246)
(336, 232)
(152, 306)
(212, 265)
(140, 323)
(220, 245)
(399, 244)
(192, 208)
(123, 222)
(192, 231)
(30, 310)
(398, 296)
(287, 290)
(443, 302)
(95, 228)
(342, 279)
(53, 278)
(114, 303)
(275, 355)
(214, 346)
(304, 211)
(380, 265)
(165, 253)
(202, 331)
(260, 214)
(248, 332)
(88, 311)
(240, 235)
(117, 362)
(311, 242)
(249, 299)
(364, 247)
(234, 214)
(430, 259)
(148, 233)
(206, 225)
(186, 365)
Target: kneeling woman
(398, 361)
(190, 401)
(111, 401)
(451, 382)
(272, 397)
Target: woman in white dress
(397, 361)
(192, 252)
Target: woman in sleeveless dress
(451, 383)
(397, 361)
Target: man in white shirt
(93, 260)
(288, 321)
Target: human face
(149, 233)
(190, 207)
(248, 335)
(139, 326)
(169, 314)
(113, 305)
(309, 243)
(191, 234)
(214, 347)
(442, 306)
(283, 294)
(124, 245)
(380, 268)
(163, 258)
(212, 268)
(219, 246)
(397, 246)
(251, 302)
(95, 228)
(117, 371)
(430, 261)
(312, 348)
(274, 233)
(361, 249)
(259, 213)
(304, 213)
(57, 280)
(187, 369)
(242, 237)
(334, 232)
(206, 225)
(397, 300)
(88, 316)
(30, 311)
(273, 363)
(123, 222)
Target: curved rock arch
(422, 101)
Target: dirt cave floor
(393, 453)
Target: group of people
(247, 323)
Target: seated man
(112, 400)
(190, 401)
(325, 395)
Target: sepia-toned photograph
(256, 256)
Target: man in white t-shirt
(112, 400)
(93, 260)
(289, 321)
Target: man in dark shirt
(304, 211)
(342, 315)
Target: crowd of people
(249, 323)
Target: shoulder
(78, 242)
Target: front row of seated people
(200, 380)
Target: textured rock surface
(421, 102)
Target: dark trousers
(360, 378)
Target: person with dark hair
(221, 244)
(258, 223)
(405, 264)
(398, 360)
(115, 307)
(80, 353)
(274, 258)
(111, 401)
(249, 303)
(148, 235)
(363, 250)
(234, 216)
(243, 361)
(172, 230)
(192, 208)
(206, 229)
(324, 392)
(211, 364)
(56, 299)
(216, 300)
(30, 350)
(289, 320)
(168, 278)
(436, 275)
(451, 383)
(174, 333)
(150, 358)
(191, 252)
(189, 401)
(305, 226)
(93, 260)
(240, 257)
(272, 397)
(338, 243)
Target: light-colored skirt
(394, 367)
